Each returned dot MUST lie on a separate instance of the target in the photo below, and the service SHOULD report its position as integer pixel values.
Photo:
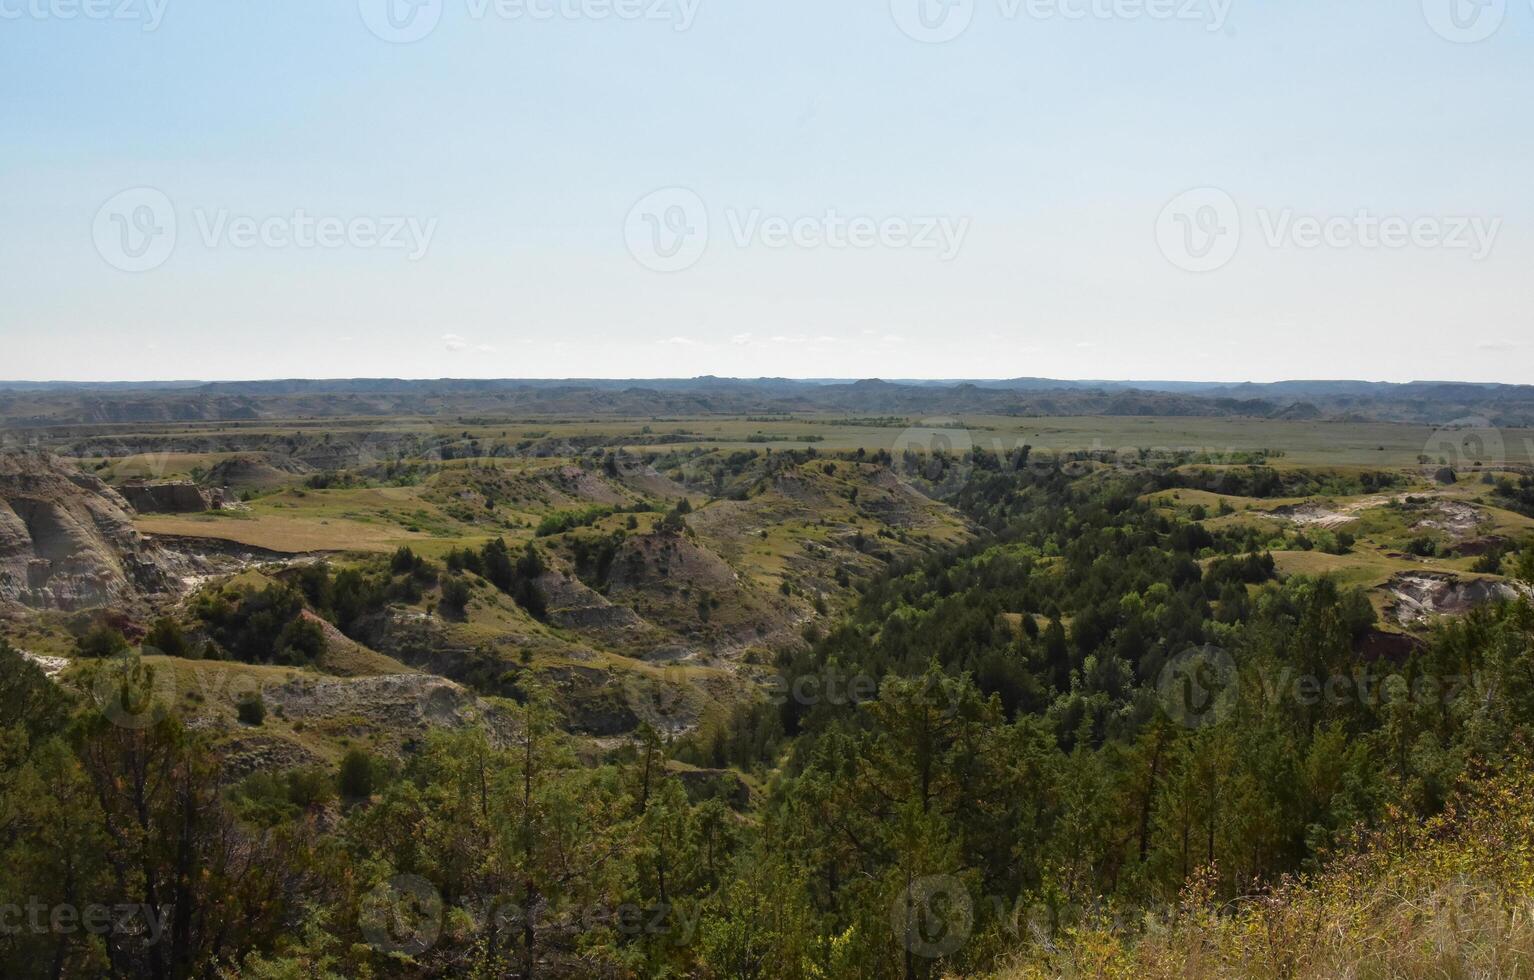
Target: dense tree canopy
(1063, 720)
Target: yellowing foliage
(1451, 898)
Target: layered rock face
(67, 540)
(256, 471)
(171, 498)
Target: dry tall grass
(1452, 899)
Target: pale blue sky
(522, 145)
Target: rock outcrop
(256, 471)
(1422, 595)
(573, 605)
(403, 705)
(67, 540)
(171, 498)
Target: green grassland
(1421, 527)
(801, 532)
(711, 542)
(180, 448)
(435, 513)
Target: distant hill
(24, 404)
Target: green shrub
(455, 595)
(1422, 547)
(166, 637)
(102, 642)
(251, 710)
(1526, 562)
(569, 520)
(356, 776)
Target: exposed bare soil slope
(67, 540)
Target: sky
(1125, 189)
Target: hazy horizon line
(190, 382)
